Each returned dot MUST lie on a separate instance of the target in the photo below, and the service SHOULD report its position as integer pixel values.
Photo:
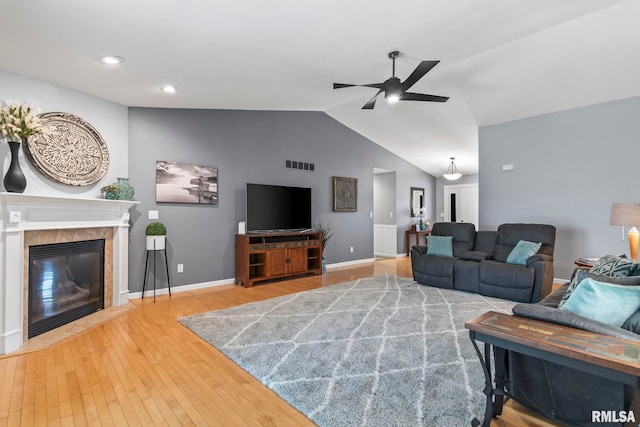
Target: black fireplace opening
(66, 282)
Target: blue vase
(126, 189)
(324, 265)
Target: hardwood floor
(142, 367)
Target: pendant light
(452, 173)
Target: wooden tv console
(268, 256)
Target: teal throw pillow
(522, 251)
(614, 266)
(440, 246)
(581, 274)
(604, 302)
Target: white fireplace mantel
(24, 212)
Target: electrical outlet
(351, 249)
(180, 268)
(153, 215)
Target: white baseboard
(348, 263)
(563, 281)
(192, 287)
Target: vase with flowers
(17, 123)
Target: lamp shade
(625, 214)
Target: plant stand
(146, 267)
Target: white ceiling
(500, 59)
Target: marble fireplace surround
(28, 218)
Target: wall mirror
(417, 200)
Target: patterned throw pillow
(604, 302)
(614, 266)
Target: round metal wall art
(70, 150)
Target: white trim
(563, 281)
(348, 263)
(165, 291)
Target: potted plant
(325, 234)
(111, 192)
(156, 236)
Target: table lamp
(628, 215)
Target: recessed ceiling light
(168, 89)
(112, 59)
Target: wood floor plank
(143, 367)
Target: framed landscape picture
(186, 183)
(345, 194)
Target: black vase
(14, 180)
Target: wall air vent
(303, 166)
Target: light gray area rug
(379, 351)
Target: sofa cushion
(522, 251)
(464, 235)
(509, 235)
(440, 246)
(432, 270)
(507, 281)
(604, 302)
(614, 266)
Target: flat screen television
(272, 208)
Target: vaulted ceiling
(501, 60)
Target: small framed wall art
(345, 194)
(186, 183)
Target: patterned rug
(378, 351)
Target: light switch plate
(153, 215)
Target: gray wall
(569, 167)
(108, 118)
(384, 201)
(251, 146)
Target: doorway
(461, 203)
(385, 228)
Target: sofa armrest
(543, 278)
(566, 318)
(539, 257)
(419, 249)
(476, 256)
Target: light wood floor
(142, 367)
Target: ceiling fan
(394, 90)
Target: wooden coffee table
(597, 354)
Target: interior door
(461, 203)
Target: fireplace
(29, 220)
(66, 283)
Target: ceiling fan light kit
(395, 90)
(452, 173)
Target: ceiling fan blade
(423, 68)
(410, 96)
(374, 85)
(372, 102)
(341, 85)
